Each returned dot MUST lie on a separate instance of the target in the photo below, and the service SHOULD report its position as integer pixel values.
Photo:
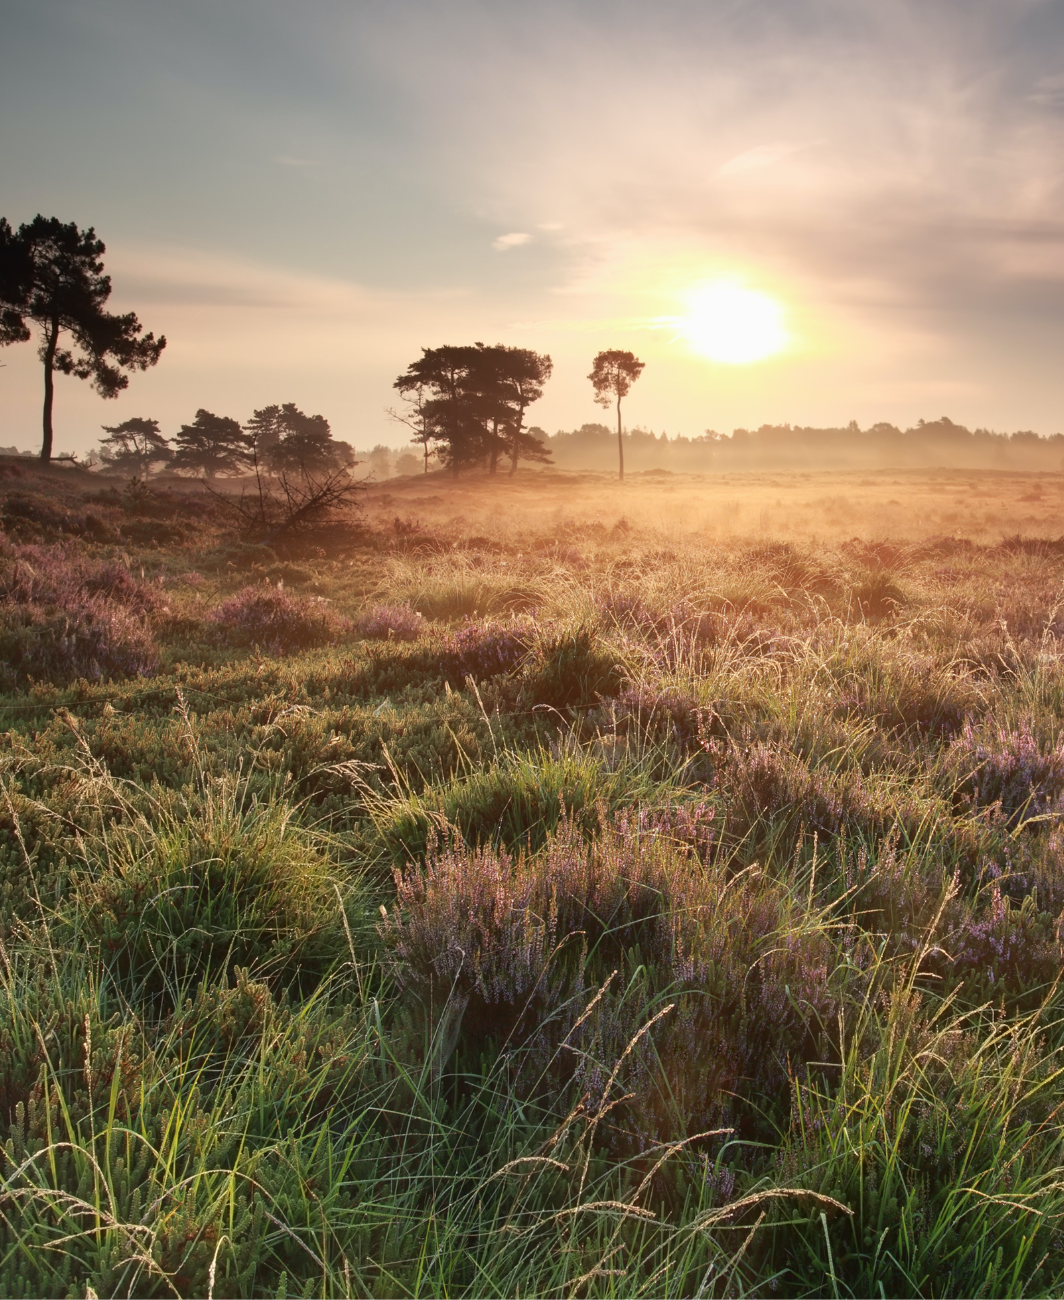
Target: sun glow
(728, 323)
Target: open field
(542, 887)
(980, 505)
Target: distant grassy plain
(982, 505)
(540, 886)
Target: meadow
(529, 887)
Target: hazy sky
(301, 196)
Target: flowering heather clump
(659, 713)
(757, 780)
(390, 623)
(687, 824)
(626, 611)
(60, 575)
(521, 943)
(67, 617)
(1007, 948)
(1007, 770)
(991, 943)
(269, 617)
(485, 650)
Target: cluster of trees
(467, 405)
(277, 439)
(52, 282)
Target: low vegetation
(437, 903)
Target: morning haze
(531, 649)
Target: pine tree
(211, 445)
(51, 275)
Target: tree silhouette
(454, 408)
(51, 274)
(211, 445)
(136, 444)
(472, 401)
(612, 375)
(16, 273)
(285, 439)
(523, 374)
(415, 418)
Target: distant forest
(771, 447)
(780, 447)
(776, 447)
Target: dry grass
(908, 505)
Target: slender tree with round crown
(612, 375)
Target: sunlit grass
(587, 894)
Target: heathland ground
(534, 886)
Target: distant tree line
(275, 440)
(785, 447)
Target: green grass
(708, 944)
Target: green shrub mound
(214, 882)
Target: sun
(728, 323)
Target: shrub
(758, 781)
(626, 610)
(668, 713)
(877, 594)
(65, 616)
(570, 669)
(993, 947)
(269, 617)
(482, 651)
(202, 886)
(1007, 771)
(390, 623)
(787, 567)
(517, 802)
(898, 685)
(517, 945)
(26, 514)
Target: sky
(302, 196)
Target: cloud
(1048, 92)
(505, 242)
(763, 155)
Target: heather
(280, 623)
(66, 615)
(557, 903)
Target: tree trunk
(620, 441)
(514, 453)
(49, 387)
(426, 456)
(494, 463)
